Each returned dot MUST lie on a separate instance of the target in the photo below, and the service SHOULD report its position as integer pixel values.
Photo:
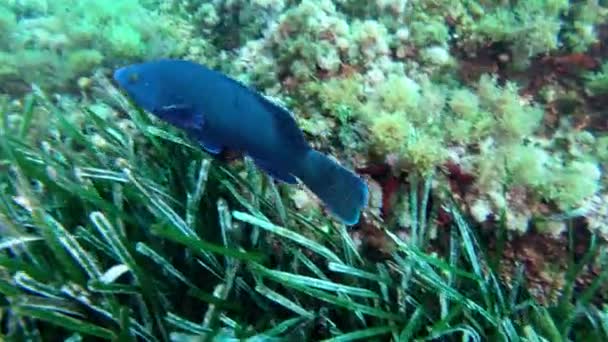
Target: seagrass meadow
(479, 127)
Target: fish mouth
(119, 75)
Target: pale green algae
(597, 83)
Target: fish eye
(133, 77)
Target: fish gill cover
(479, 128)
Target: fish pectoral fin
(177, 110)
(181, 115)
(275, 172)
(209, 146)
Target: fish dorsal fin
(284, 119)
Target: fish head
(141, 84)
(154, 87)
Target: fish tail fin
(342, 191)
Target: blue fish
(223, 114)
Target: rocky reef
(392, 82)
